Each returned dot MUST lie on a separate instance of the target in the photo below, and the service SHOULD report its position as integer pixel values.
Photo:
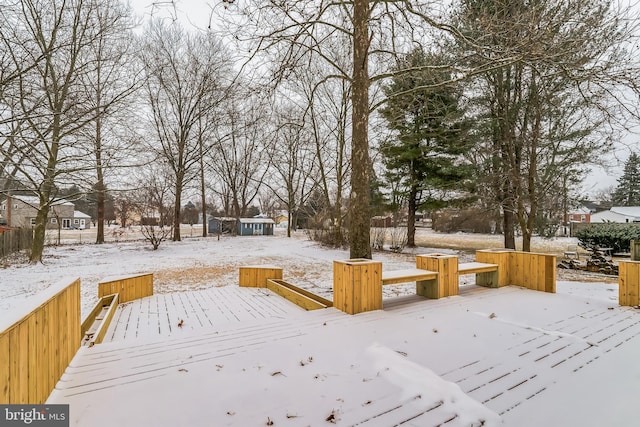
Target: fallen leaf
(180, 323)
(273, 374)
(492, 315)
(230, 413)
(269, 422)
(183, 370)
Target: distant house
(618, 214)
(21, 211)
(81, 220)
(579, 214)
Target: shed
(255, 226)
(221, 225)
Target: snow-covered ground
(566, 359)
(199, 263)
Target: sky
(200, 13)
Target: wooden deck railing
(128, 288)
(37, 342)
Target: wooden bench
(409, 275)
(486, 274)
(426, 280)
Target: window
(54, 220)
(33, 221)
(15, 206)
(583, 218)
(76, 221)
(82, 223)
(570, 217)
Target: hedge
(609, 235)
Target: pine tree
(627, 193)
(424, 158)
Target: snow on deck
(461, 360)
(179, 312)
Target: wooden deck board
(504, 376)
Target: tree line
(341, 108)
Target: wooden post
(357, 285)
(635, 250)
(446, 284)
(629, 283)
(500, 257)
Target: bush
(377, 237)
(609, 235)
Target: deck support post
(357, 285)
(629, 283)
(446, 284)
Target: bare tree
(238, 157)
(292, 162)
(186, 75)
(550, 110)
(54, 37)
(108, 87)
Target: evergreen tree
(627, 193)
(424, 157)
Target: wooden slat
(298, 296)
(408, 275)
(629, 283)
(129, 288)
(256, 276)
(476, 267)
(101, 331)
(5, 373)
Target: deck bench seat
(486, 274)
(476, 267)
(409, 275)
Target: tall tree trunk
(359, 218)
(176, 211)
(411, 217)
(202, 189)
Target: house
(619, 214)
(21, 211)
(579, 214)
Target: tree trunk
(508, 225)
(202, 190)
(411, 217)
(176, 212)
(359, 221)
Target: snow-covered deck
(456, 361)
(180, 312)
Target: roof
(257, 221)
(78, 214)
(35, 201)
(618, 214)
(630, 211)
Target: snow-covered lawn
(505, 356)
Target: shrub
(610, 235)
(378, 236)
(398, 239)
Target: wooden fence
(37, 344)
(128, 288)
(15, 240)
(629, 283)
(526, 269)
